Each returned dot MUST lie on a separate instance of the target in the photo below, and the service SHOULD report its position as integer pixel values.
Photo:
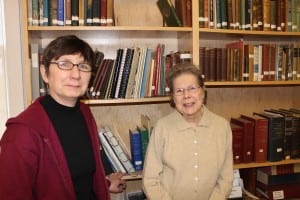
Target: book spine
(126, 73)
(136, 150)
(103, 12)
(75, 13)
(41, 13)
(35, 12)
(82, 6)
(53, 13)
(96, 12)
(46, 11)
(60, 12)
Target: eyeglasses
(66, 65)
(190, 89)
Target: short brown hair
(179, 69)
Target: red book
(284, 191)
(248, 139)
(260, 137)
(237, 143)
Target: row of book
(271, 135)
(239, 61)
(267, 15)
(121, 158)
(278, 182)
(135, 73)
(70, 12)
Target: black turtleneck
(73, 134)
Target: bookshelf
(229, 99)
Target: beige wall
(11, 71)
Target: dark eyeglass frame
(67, 65)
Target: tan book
(81, 16)
(110, 13)
(266, 15)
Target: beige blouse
(183, 162)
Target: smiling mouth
(188, 104)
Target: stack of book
(237, 186)
(278, 182)
(270, 135)
(238, 61)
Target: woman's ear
(44, 73)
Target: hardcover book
(291, 136)
(267, 179)
(248, 137)
(237, 143)
(275, 192)
(136, 149)
(260, 137)
(169, 13)
(275, 136)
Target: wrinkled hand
(117, 184)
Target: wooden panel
(137, 13)
(231, 102)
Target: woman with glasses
(51, 150)
(189, 155)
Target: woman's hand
(117, 184)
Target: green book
(144, 139)
(168, 12)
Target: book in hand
(169, 13)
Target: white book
(35, 71)
(114, 142)
(116, 163)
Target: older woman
(189, 155)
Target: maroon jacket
(32, 161)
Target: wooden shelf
(133, 176)
(108, 28)
(166, 99)
(150, 100)
(249, 32)
(252, 83)
(263, 164)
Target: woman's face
(188, 96)
(66, 86)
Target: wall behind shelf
(108, 41)
(233, 101)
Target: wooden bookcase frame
(228, 99)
